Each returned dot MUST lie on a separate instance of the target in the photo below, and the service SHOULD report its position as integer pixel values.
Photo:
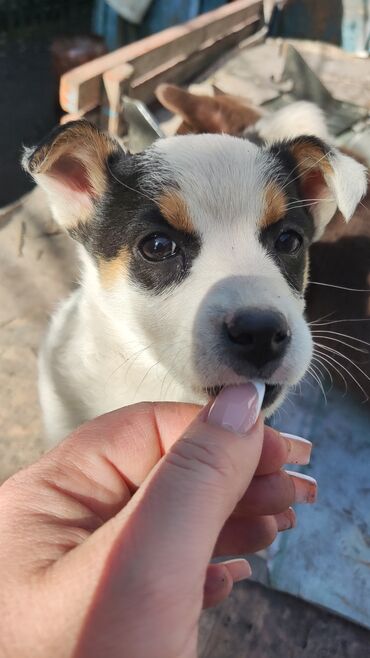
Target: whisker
(331, 285)
(297, 200)
(320, 380)
(157, 363)
(326, 370)
(301, 205)
(138, 352)
(323, 317)
(292, 180)
(323, 358)
(138, 192)
(288, 179)
(132, 189)
(355, 365)
(324, 332)
(337, 340)
(324, 324)
(311, 371)
(305, 203)
(340, 365)
(162, 393)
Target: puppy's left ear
(327, 179)
(71, 165)
(208, 114)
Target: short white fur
(110, 347)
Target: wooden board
(181, 68)
(81, 88)
(116, 84)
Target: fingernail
(239, 569)
(237, 408)
(299, 450)
(286, 520)
(305, 487)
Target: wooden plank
(80, 89)
(116, 84)
(181, 69)
(92, 115)
(195, 36)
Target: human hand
(105, 542)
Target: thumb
(184, 503)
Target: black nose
(257, 335)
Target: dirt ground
(38, 267)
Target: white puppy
(194, 261)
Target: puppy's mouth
(271, 393)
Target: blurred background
(42, 39)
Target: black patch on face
(158, 276)
(126, 215)
(298, 220)
(292, 266)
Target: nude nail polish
(236, 408)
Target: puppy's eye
(288, 242)
(157, 247)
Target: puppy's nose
(258, 335)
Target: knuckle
(209, 460)
(279, 490)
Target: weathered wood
(206, 28)
(80, 89)
(116, 84)
(92, 115)
(180, 69)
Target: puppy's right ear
(71, 165)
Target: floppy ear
(71, 166)
(211, 114)
(327, 179)
(196, 111)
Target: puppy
(339, 261)
(194, 258)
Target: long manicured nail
(286, 520)
(237, 408)
(239, 569)
(305, 487)
(299, 450)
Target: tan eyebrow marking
(174, 209)
(109, 270)
(275, 205)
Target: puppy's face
(199, 245)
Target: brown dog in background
(339, 261)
